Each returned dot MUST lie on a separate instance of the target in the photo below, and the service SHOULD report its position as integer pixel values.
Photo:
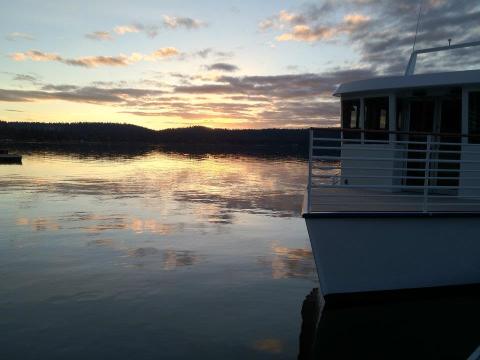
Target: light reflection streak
(286, 262)
(270, 345)
(38, 224)
(227, 182)
(169, 259)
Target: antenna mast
(418, 23)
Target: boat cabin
(407, 143)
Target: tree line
(111, 133)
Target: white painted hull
(362, 254)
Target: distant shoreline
(29, 135)
(138, 149)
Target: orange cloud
(125, 29)
(352, 22)
(150, 30)
(35, 55)
(96, 61)
(307, 33)
(286, 16)
(355, 19)
(165, 52)
(311, 33)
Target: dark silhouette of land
(291, 141)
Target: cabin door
(450, 123)
(421, 120)
(442, 116)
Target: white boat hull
(356, 254)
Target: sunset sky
(229, 64)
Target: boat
(6, 158)
(392, 204)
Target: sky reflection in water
(159, 256)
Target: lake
(152, 255)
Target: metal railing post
(310, 165)
(426, 181)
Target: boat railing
(353, 170)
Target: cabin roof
(454, 78)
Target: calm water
(158, 256)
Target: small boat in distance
(6, 158)
(393, 204)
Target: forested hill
(111, 133)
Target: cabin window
(383, 119)
(474, 116)
(376, 117)
(351, 114)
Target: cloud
(223, 67)
(126, 29)
(295, 100)
(266, 24)
(150, 30)
(279, 86)
(96, 61)
(35, 55)
(99, 35)
(26, 78)
(168, 22)
(165, 52)
(282, 19)
(377, 33)
(355, 19)
(174, 22)
(14, 36)
(291, 18)
(381, 32)
(306, 33)
(388, 47)
(88, 61)
(302, 30)
(88, 94)
(204, 53)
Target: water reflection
(142, 252)
(440, 327)
(257, 201)
(101, 242)
(140, 226)
(38, 224)
(229, 183)
(273, 346)
(167, 249)
(119, 151)
(173, 259)
(167, 260)
(102, 223)
(289, 262)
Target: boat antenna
(418, 23)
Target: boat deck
(361, 200)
